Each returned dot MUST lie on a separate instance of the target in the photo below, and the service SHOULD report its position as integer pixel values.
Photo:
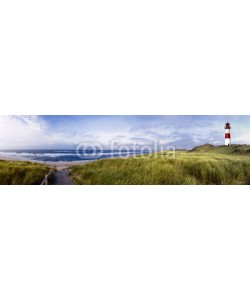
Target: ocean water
(67, 155)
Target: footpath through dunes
(15, 171)
(61, 177)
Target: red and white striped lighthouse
(227, 134)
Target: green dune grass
(203, 165)
(21, 173)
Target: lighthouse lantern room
(227, 134)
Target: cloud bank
(28, 132)
(65, 132)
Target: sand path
(61, 177)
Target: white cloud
(27, 132)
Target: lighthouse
(227, 134)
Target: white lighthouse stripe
(227, 135)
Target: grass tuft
(22, 173)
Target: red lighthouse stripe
(227, 135)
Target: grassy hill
(21, 173)
(205, 164)
(233, 149)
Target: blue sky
(65, 132)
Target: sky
(66, 132)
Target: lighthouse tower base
(227, 142)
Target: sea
(68, 155)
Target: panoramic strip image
(124, 150)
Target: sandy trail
(61, 177)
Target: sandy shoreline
(58, 164)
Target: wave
(67, 155)
(36, 154)
(64, 153)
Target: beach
(58, 164)
(63, 165)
